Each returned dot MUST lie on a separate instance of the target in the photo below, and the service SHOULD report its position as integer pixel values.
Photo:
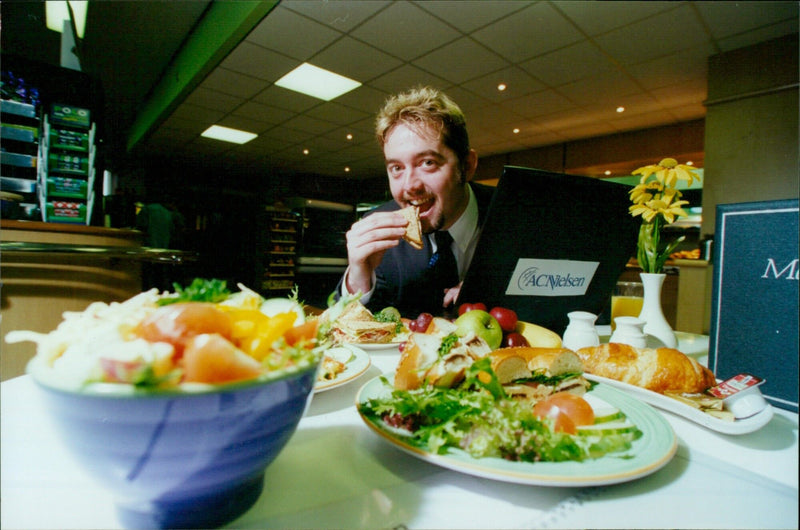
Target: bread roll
(518, 363)
(660, 370)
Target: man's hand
(367, 241)
(451, 295)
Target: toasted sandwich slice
(414, 229)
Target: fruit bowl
(188, 457)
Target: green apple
(483, 325)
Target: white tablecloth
(336, 473)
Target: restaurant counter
(50, 268)
(337, 473)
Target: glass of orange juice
(626, 300)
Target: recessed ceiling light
(346, 169)
(305, 151)
(516, 130)
(689, 163)
(56, 13)
(317, 82)
(607, 172)
(620, 109)
(501, 87)
(226, 134)
(349, 136)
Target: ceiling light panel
(317, 82)
(226, 134)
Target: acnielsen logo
(547, 277)
(531, 278)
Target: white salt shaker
(580, 332)
(629, 331)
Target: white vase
(656, 324)
(581, 332)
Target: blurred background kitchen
(113, 181)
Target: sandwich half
(414, 228)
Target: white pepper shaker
(581, 332)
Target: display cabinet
(280, 254)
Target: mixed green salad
(480, 419)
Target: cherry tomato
(567, 411)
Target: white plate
(647, 455)
(378, 346)
(743, 426)
(356, 361)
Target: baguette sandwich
(439, 359)
(413, 233)
(532, 374)
(660, 370)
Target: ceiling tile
(405, 31)
(604, 87)
(530, 32)
(461, 60)
(518, 83)
(354, 59)
(310, 125)
(291, 34)
(343, 15)
(264, 113)
(596, 18)
(364, 98)
(406, 76)
(211, 99)
(639, 42)
(283, 98)
(199, 115)
(233, 83)
(336, 113)
(469, 15)
(726, 20)
(571, 63)
(255, 61)
(539, 104)
(672, 69)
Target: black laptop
(551, 244)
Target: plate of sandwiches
(357, 325)
(341, 365)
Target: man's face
(424, 172)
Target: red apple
(506, 317)
(515, 340)
(463, 308)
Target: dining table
(336, 472)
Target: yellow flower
(668, 172)
(664, 206)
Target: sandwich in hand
(357, 324)
(414, 228)
(532, 374)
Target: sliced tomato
(211, 358)
(567, 411)
(177, 323)
(304, 332)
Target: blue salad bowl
(192, 457)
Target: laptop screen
(550, 244)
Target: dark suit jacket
(401, 279)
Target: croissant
(660, 370)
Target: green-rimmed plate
(648, 454)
